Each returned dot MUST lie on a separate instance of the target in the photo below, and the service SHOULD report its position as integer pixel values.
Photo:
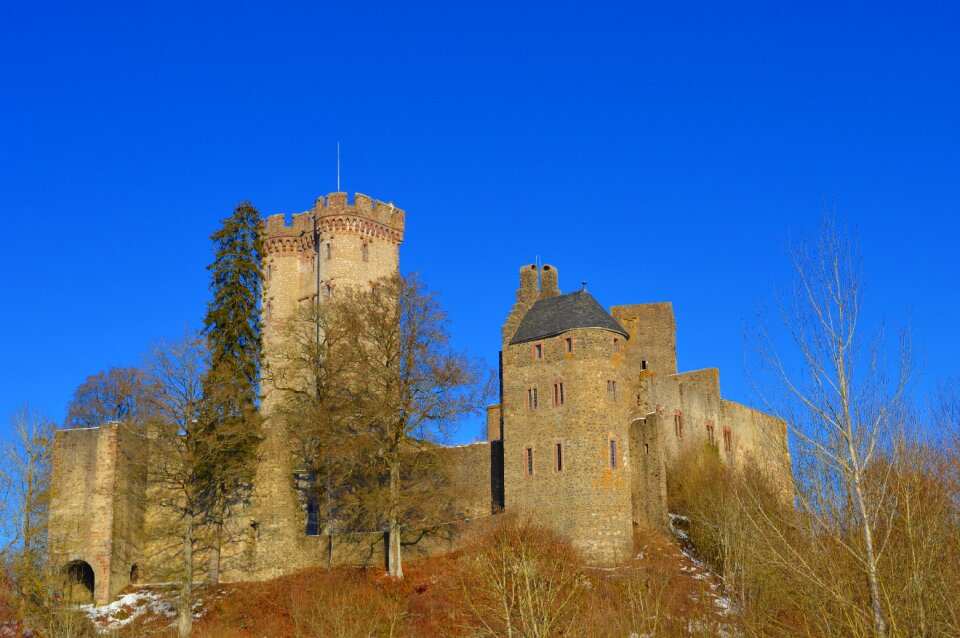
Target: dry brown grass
(549, 592)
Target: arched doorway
(79, 583)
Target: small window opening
(327, 249)
(134, 574)
(529, 461)
(558, 458)
(643, 364)
(328, 290)
(616, 345)
(269, 310)
(727, 440)
(710, 437)
(646, 448)
(269, 271)
(532, 400)
(365, 251)
(678, 424)
(568, 344)
(313, 515)
(558, 393)
(613, 454)
(612, 390)
(538, 351)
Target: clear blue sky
(661, 151)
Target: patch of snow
(675, 530)
(126, 609)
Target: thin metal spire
(338, 167)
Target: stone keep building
(592, 416)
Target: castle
(593, 415)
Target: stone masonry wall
(96, 509)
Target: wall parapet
(331, 214)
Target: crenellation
(363, 203)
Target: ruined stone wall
(648, 472)
(468, 470)
(653, 342)
(761, 439)
(587, 500)
(96, 509)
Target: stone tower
(566, 413)
(337, 244)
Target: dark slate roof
(549, 317)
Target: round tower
(566, 414)
(334, 245)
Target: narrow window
(313, 515)
(612, 390)
(269, 310)
(558, 393)
(643, 364)
(710, 438)
(528, 453)
(269, 271)
(678, 424)
(535, 397)
(328, 290)
(365, 252)
(538, 351)
(327, 249)
(558, 458)
(613, 454)
(529, 398)
(727, 440)
(568, 344)
(616, 345)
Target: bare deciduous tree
(371, 383)
(841, 398)
(25, 497)
(179, 463)
(117, 394)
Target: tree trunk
(185, 611)
(213, 568)
(879, 623)
(394, 565)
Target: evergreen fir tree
(233, 331)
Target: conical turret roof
(552, 316)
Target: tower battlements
(334, 213)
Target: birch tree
(840, 396)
